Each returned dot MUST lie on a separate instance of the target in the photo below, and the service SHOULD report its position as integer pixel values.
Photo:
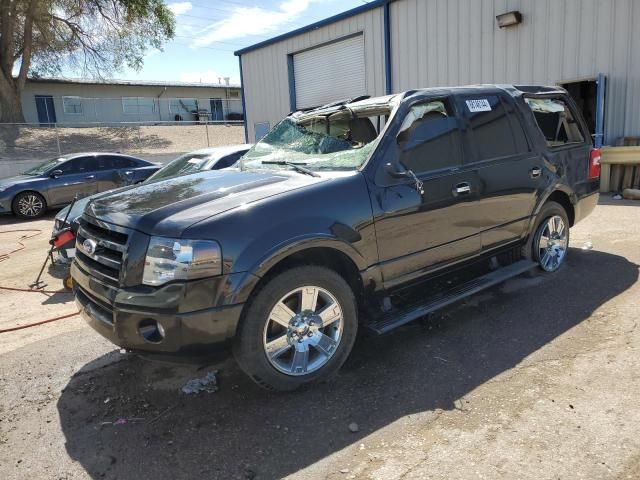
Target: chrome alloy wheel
(30, 205)
(303, 330)
(552, 243)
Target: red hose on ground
(11, 289)
(5, 256)
(62, 317)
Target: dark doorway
(589, 96)
(46, 109)
(217, 113)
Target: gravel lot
(534, 379)
(24, 147)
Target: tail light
(594, 163)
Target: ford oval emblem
(89, 246)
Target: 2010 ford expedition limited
(343, 216)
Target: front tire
(299, 328)
(29, 205)
(550, 242)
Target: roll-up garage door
(330, 72)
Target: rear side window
(123, 162)
(429, 138)
(556, 121)
(492, 130)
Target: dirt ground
(534, 379)
(147, 141)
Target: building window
(183, 106)
(72, 105)
(138, 105)
(234, 94)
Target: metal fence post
(206, 126)
(55, 128)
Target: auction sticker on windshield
(479, 105)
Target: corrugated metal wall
(457, 42)
(265, 72)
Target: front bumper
(118, 314)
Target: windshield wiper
(296, 166)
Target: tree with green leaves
(92, 37)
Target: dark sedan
(55, 182)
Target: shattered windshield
(335, 138)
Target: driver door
(78, 178)
(418, 232)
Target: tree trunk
(10, 102)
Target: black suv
(348, 215)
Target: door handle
(90, 177)
(128, 172)
(536, 172)
(462, 189)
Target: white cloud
(180, 7)
(247, 21)
(208, 76)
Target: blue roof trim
(244, 104)
(322, 23)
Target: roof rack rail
(538, 88)
(337, 103)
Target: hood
(81, 203)
(170, 206)
(5, 182)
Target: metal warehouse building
(591, 47)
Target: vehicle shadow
(242, 431)
(8, 219)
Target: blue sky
(208, 32)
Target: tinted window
(86, 164)
(229, 160)
(123, 162)
(429, 137)
(79, 165)
(492, 133)
(556, 121)
(105, 163)
(70, 166)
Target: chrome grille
(101, 249)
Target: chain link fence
(25, 145)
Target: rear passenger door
(509, 173)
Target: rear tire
(298, 329)
(29, 205)
(549, 243)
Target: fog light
(151, 330)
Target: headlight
(177, 259)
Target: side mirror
(56, 174)
(395, 172)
